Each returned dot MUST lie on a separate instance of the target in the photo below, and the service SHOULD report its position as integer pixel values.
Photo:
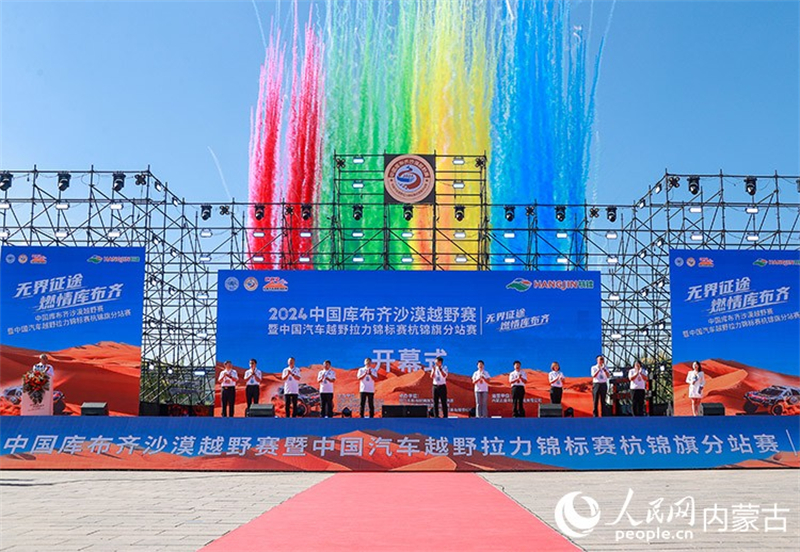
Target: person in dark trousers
(517, 378)
(227, 379)
(252, 379)
(325, 378)
(556, 378)
(366, 385)
(291, 387)
(638, 384)
(600, 377)
(439, 377)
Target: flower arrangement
(35, 383)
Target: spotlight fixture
(458, 160)
(750, 185)
(63, 180)
(224, 210)
(561, 213)
(611, 214)
(694, 184)
(510, 212)
(305, 211)
(657, 188)
(119, 181)
(159, 186)
(358, 160)
(5, 180)
(288, 210)
(141, 179)
(259, 211)
(459, 209)
(205, 211)
(340, 162)
(594, 212)
(408, 212)
(358, 211)
(529, 210)
(674, 181)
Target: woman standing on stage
(556, 378)
(696, 380)
(517, 378)
(480, 380)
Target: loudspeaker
(261, 411)
(94, 409)
(661, 409)
(416, 411)
(712, 409)
(550, 411)
(393, 411)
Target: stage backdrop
(738, 313)
(403, 320)
(83, 307)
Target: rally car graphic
(308, 399)
(777, 399)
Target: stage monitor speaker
(415, 411)
(550, 411)
(712, 409)
(261, 411)
(94, 409)
(393, 411)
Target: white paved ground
(182, 511)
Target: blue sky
(692, 86)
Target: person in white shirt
(252, 379)
(517, 378)
(638, 383)
(291, 386)
(42, 365)
(227, 379)
(366, 385)
(600, 377)
(556, 379)
(326, 377)
(439, 377)
(480, 380)
(696, 379)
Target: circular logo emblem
(570, 522)
(23, 258)
(232, 283)
(250, 284)
(690, 262)
(678, 261)
(10, 258)
(408, 178)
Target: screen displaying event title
(403, 321)
(83, 307)
(738, 313)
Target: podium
(44, 408)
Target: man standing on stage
(439, 376)
(517, 378)
(638, 378)
(252, 378)
(600, 377)
(228, 378)
(326, 377)
(42, 366)
(366, 385)
(291, 386)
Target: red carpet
(395, 511)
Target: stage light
(5, 180)
(119, 181)
(258, 234)
(613, 297)
(751, 210)
(752, 238)
(288, 210)
(141, 179)
(510, 212)
(616, 336)
(258, 259)
(358, 211)
(358, 259)
(694, 184)
(458, 160)
(407, 234)
(562, 260)
(561, 213)
(697, 237)
(562, 235)
(459, 209)
(305, 234)
(206, 233)
(674, 181)
(695, 210)
(611, 235)
(594, 212)
(113, 234)
(358, 160)
(407, 260)
(205, 211)
(304, 259)
(611, 214)
(461, 259)
(459, 234)
(62, 233)
(458, 184)
(224, 210)
(509, 235)
(5, 205)
(258, 211)
(305, 211)
(612, 260)
(657, 188)
(509, 260)
(750, 185)
(357, 234)
(408, 212)
(159, 186)
(63, 180)
(176, 202)
(358, 184)
(62, 205)
(115, 206)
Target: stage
(398, 444)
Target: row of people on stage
(517, 378)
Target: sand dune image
(100, 372)
(727, 381)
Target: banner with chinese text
(738, 314)
(403, 321)
(82, 306)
